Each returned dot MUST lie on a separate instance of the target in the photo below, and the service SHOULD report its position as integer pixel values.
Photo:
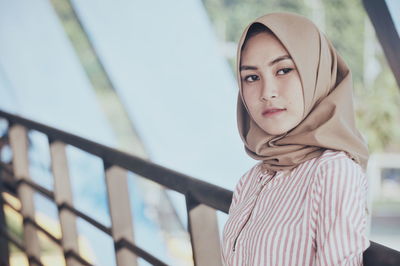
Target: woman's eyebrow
(276, 60)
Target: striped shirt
(315, 216)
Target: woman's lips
(272, 111)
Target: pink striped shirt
(315, 216)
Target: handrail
(202, 198)
(57, 241)
(209, 194)
(19, 245)
(49, 195)
(123, 243)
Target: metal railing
(202, 201)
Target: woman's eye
(284, 71)
(251, 78)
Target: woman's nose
(268, 91)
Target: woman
(304, 203)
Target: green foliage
(345, 27)
(230, 17)
(379, 112)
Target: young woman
(304, 203)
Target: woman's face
(271, 84)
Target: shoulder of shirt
(339, 160)
(254, 170)
(334, 156)
(248, 177)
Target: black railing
(197, 193)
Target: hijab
(328, 118)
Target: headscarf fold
(328, 118)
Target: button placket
(263, 183)
(266, 180)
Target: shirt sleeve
(340, 217)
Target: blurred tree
(344, 22)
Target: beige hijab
(328, 119)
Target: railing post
(63, 195)
(120, 210)
(204, 236)
(19, 144)
(4, 250)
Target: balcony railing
(202, 202)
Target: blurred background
(156, 79)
